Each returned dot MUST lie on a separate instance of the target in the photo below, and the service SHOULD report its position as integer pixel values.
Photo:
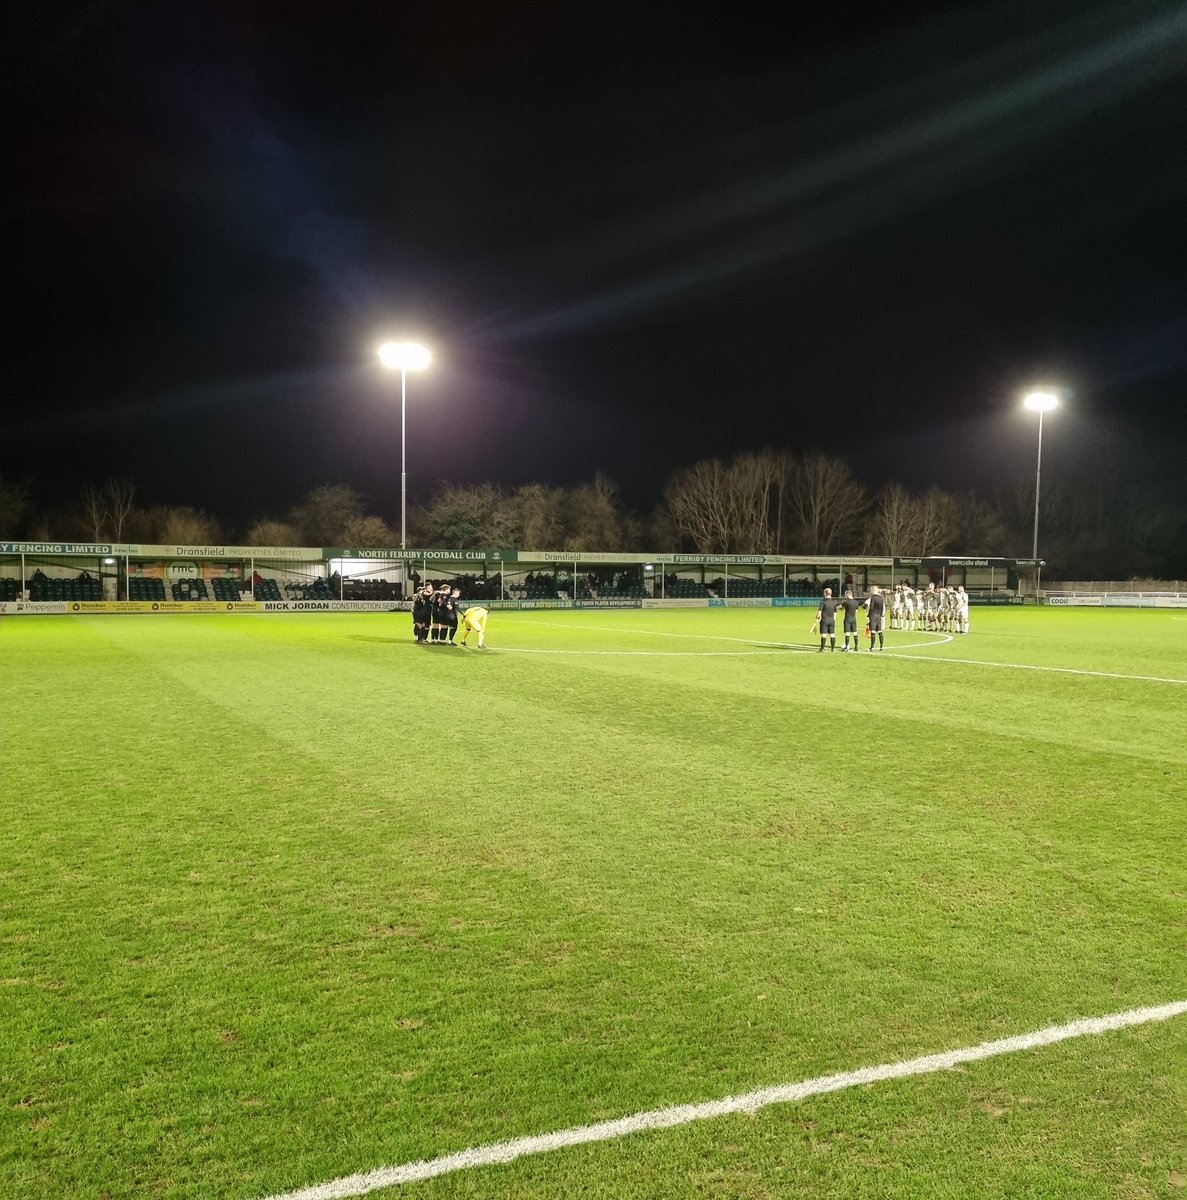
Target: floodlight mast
(404, 357)
(1040, 402)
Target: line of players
(932, 609)
(437, 613)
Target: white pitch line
(980, 662)
(667, 1118)
(654, 653)
(716, 637)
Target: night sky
(634, 235)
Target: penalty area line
(667, 1118)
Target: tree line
(1104, 524)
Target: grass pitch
(286, 898)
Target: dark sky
(635, 234)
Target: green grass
(285, 898)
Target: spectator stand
(217, 576)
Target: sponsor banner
(277, 606)
(608, 603)
(394, 554)
(562, 557)
(1077, 601)
(33, 607)
(997, 600)
(741, 602)
(796, 602)
(89, 549)
(704, 603)
(292, 553)
(1170, 601)
(370, 606)
(87, 607)
(944, 561)
(713, 559)
(514, 604)
(522, 603)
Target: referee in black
(826, 618)
(875, 604)
(850, 603)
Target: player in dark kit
(826, 618)
(422, 612)
(850, 604)
(875, 604)
(450, 615)
(440, 600)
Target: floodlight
(1041, 401)
(404, 356)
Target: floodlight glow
(1041, 401)
(404, 356)
(109, 560)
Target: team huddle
(437, 613)
(942, 609)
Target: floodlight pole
(404, 462)
(1038, 481)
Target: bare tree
(95, 512)
(825, 505)
(979, 529)
(368, 531)
(696, 499)
(322, 516)
(596, 517)
(266, 532)
(731, 507)
(183, 525)
(937, 521)
(14, 506)
(539, 516)
(471, 518)
(751, 491)
(894, 528)
(118, 496)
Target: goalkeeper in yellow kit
(474, 621)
